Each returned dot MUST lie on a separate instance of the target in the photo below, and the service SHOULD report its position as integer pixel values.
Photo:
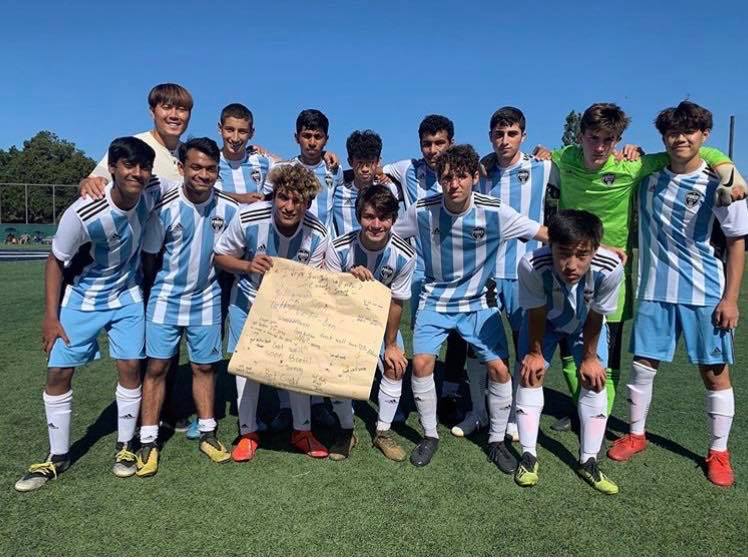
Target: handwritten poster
(313, 331)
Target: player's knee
(716, 377)
(392, 374)
(423, 365)
(59, 381)
(498, 371)
(202, 370)
(157, 369)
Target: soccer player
(185, 297)
(282, 227)
(520, 181)
(373, 252)
(364, 150)
(566, 290)
(592, 179)
(460, 232)
(100, 241)
(682, 286)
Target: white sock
(248, 393)
(343, 408)
(424, 393)
(389, 398)
(59, 410)
(593, 417)
(206, 425)
(476, 374)
(530, 402)
(720, 408)
(128, 408)
(148, 434)
(301, 409)
(499, 406)
(283, 401)
(640, 396)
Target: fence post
(1, 206)
(26, 197)
(54, 206)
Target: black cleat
(499, 455)
(424, 451)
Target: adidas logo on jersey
(303, 256)
(608, 179)
(217, 223)
(523, 175)
(479, 233)
(386, 274)
(436, 231)
(262, 248)
(693, 198)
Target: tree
(45, 159)
(571, 128)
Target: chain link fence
(33, 203)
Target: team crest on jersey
(256, 175)
(479, 233)
(176, 229)
(303, 256)
(217, 223)
(328, 180)
(608, 178)
(523, 175)
(387, 273)
(693, 198)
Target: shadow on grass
(104, 425)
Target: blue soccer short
(507, 292)
(416, 285)
(551, 339)
(659, 325)
(125, 327)
(482, 329)
(237, 318)
(203, 342)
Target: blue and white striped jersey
(344, 207)
(568, 305)
(243, 176)
(329, 181)
(522, 186)
(416, 179)
(252, 231)
(676, 261)
(100, 244)
(186, 291)
(392, 266)
(459, 251)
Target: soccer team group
(163, 228)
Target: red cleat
(246, 448)
(718, 468)
(307, 443)
(627, 446)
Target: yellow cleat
(591, 474)
(213, 448)
(147, 460)
(527, 470)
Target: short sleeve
(397, 170)
(531, 293)
(407, 226)
(233, 241)
(605, 299)
(70, 235)
(514, 225)
(332, 259)
(401, 284)
(317, 260)
(733, 219)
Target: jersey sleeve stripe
(92, 210)
(398, 242)
(429, 201)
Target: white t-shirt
(164, 166)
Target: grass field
(283, 503)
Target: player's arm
(246, 198)
(153, 242)
(532, 300)
(517, 226)
(591, 370)
(231, 247)
(726, 313)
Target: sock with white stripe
(390, 391)
(424, 393)
(530, 402)
(59, 410)
(640, 388)
(593, 417)
(128, 408)
(720, 409)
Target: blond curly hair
(294, 178)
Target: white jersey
(100, 245)
(416, 179)
(522, 186)
(344, 207)
(677, 264)
(568, 305)
(252, 231)
(243, 176)
(329, 181)
(186, 290)
(165, 166)
(392, 265)
(459, 250)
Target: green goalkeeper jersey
(608, 191)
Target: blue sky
(83, 69)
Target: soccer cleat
(124, 460)
(562, 424)
(213, 448)
(193, 430)
(307, 443)
(345, 441)
(39, 473)
(469, 425)
(322, 418)
(591, 474)
(718, 468)
(282, 421)
(500, 455)
(527, 470)
(627, 446)
(512, 432)
(424, 451)
(246, 447)
(147, 460)
(385, 442)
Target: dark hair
(132, 150)
(686, 116)
(431, 124)
(571, 227)
(205, 145)
(365, 145)
(459, 158)
(604, 116)
(170, 94)
(378, 197)
(294, 178)
(507, 116)
(237, 111)
(312, 119)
